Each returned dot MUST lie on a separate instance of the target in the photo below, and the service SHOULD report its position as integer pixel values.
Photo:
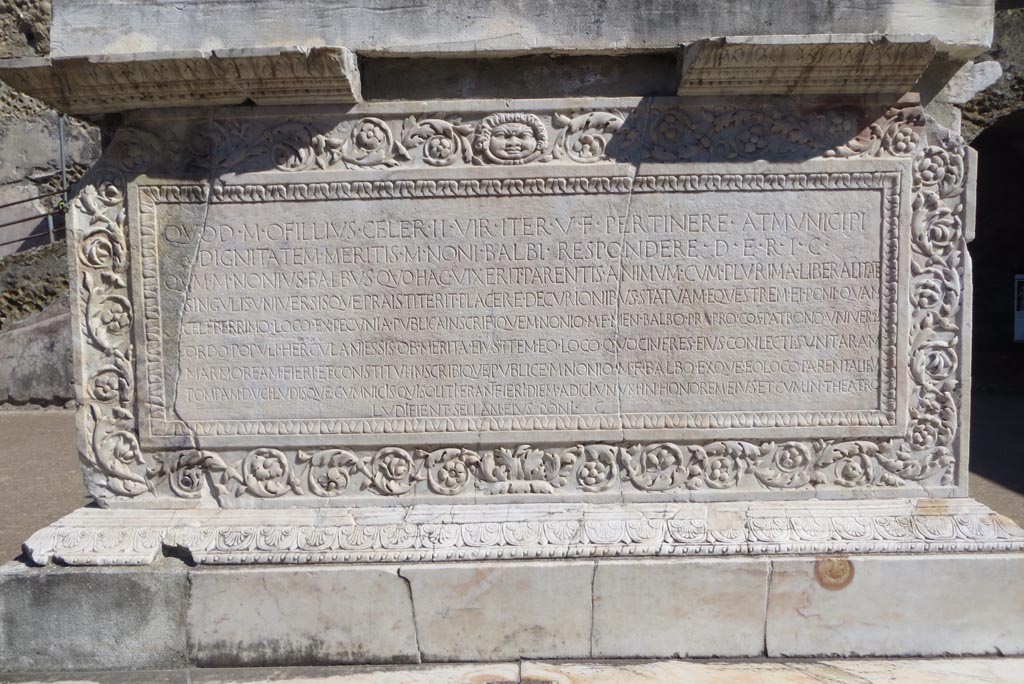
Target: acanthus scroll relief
(592, 468)
(110, 447)
(650, 132)
(119, 467)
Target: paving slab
(935, 671)
(42, 443)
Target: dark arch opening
(997, 411)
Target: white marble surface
(1002, 671)
(496, 611)
(91, 536)
(699, 609)
(276, 616)
(879, 606)
(859, 605)
(475, 27)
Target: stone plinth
(857, 605)
(480, 380)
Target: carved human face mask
(512, 141)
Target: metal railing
(54, 219)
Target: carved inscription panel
(547, 304)
(641, 301)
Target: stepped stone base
(874, 581)
(92, 536)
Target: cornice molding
(113, 83)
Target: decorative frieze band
(473, 532)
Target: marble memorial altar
(731, 320)
(601, 304)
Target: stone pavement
(910, 671)
(42, 441)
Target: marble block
(107, 83)
(701, 609)
(172, 616)
(633, 300)
(315, 615)
(804, 65)
(501, 27)
(502, 611)
(906, 671)
(92, 618)
(934, 606)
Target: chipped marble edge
(425, 532)
(94, 84)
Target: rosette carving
(941, 167)
(111, 384)
(449, 471)
(598, 467)
(439, 142)
(719, 465)
(392, 471)
(785, 466)
(935, 227)
(367, 142)
(584, 138)
(267, 473)
(852, 462)
(899, 133)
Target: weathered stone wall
(35, 352)
(1006, 95)
(24, 26)
(30, 167)
(30, 280)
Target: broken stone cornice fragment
(98, 84)
(825, 64)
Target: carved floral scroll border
(117, 468)
(649, 131)
(107, 426)
(151, 196)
